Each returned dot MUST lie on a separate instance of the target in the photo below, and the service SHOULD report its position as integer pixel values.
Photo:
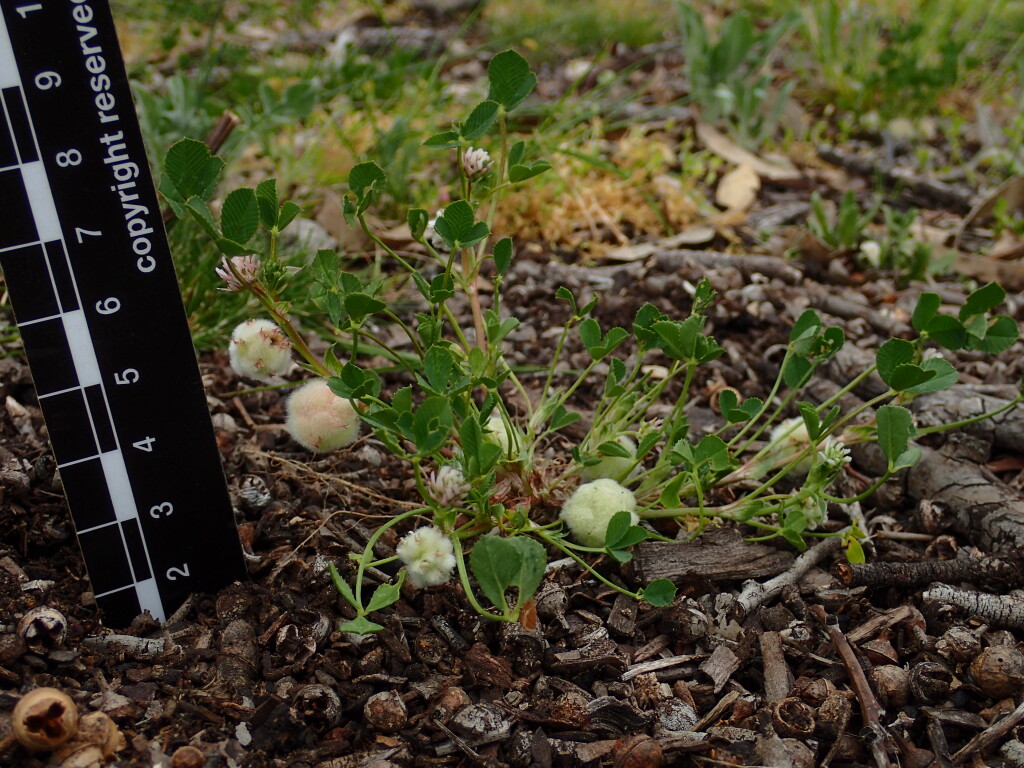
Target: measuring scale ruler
(89, 271)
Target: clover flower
(320, 420)
(476, 162)
(429, 556)
(447, 485)
(259, 350)
(247, 268)
(588, 511)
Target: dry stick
(870, 709)
(778, 679)
(995, 609)
(990, 735)
(981, 569)
(754, 594)
(225, 124)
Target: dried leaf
(637, 251)
(737, 190)
(775, 170)
(1011, 190)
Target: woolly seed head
(320, 420)
(592, 506)
(259, 350)
(429, 556)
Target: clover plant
(485, 452)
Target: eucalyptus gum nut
(44, 719)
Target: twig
(990, 735)
(996, 609)
(870, 709)
(755, 595)
(984, 569)
(778, 678)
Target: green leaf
(948, 332)
(943, 376)
(364, 177)
(614, 448)
(480, 120)
(893, 353)
(925, 310)
(907, 459)
(523, 171)
(678, 339)
(201, 213)
(895, 428)
(502, 254)
(360, 626)
(796, 372)
(854, 552)
(906, 376)
(240, 216)
(438, 365)
(516, 153)
(563, 418)
(811, 421)
(727, 401)
(192, 170)
(712, 452)
(342, 586)
(565, 294)
(458, 228)
(495, 563)
(418, 220)
(359, 305)
(510, 79)
(386, 594)
(266, 199)
(982, 300)
(1000, 334)
(532, 562)
(443, 140)
(660, 592)
(669, 496)
(287, 214)
(806, 326)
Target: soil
(831, 669)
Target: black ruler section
(91, 279)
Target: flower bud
(591, 507)
(320, 420)
(429, 556)
(259, 350)
(476, 162)
(247, 268)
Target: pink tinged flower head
(259, 350)
(247, 268)
(320, 420)
(476, 162)
(429, 556)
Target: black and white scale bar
(89, 271)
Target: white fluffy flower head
(429, 556)
(259, 350)
(589, 510)
(319, 419)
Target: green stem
(464, 580)
(972, 420)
